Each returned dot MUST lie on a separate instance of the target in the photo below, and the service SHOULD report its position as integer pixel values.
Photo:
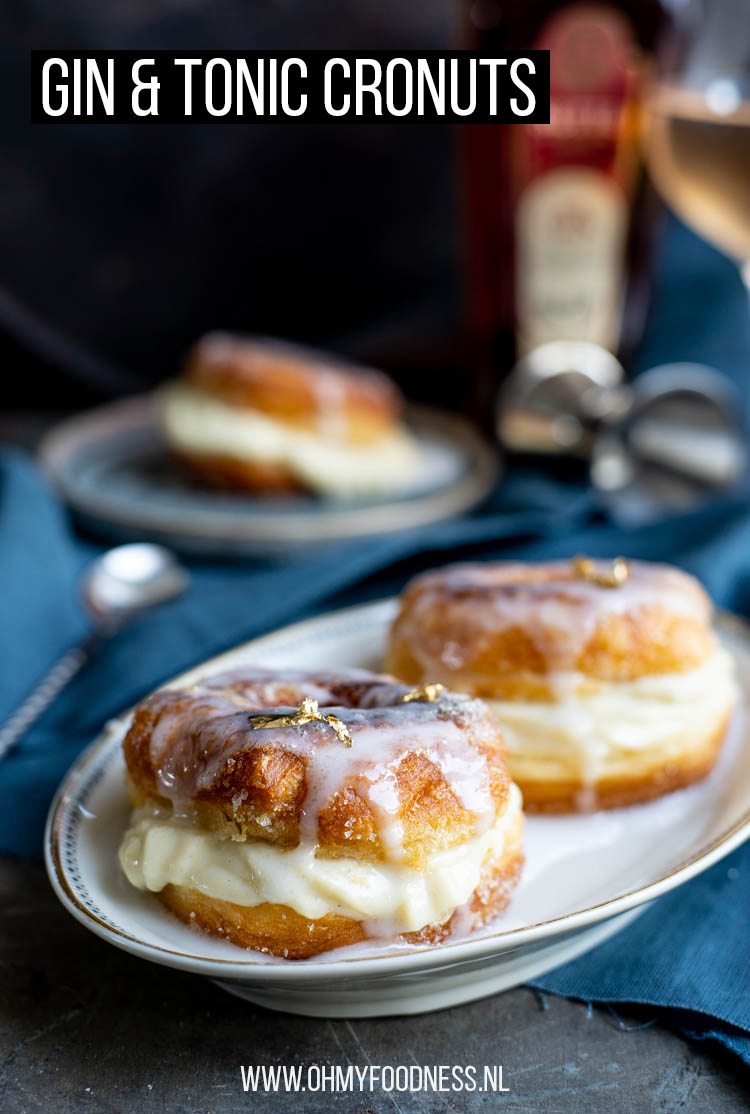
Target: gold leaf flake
(307, 713)
(429, 693)
(613, 577)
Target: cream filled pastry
(298, 812)
(607, 678)
(267, 417)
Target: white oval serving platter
(585, 877)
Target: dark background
(121, 244)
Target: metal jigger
(668, 439)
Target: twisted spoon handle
(47, 691)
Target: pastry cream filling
(608, 720)
(197, 423)
(159, 849)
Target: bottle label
(571, 226)
(573, 182)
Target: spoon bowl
(129, 579)
(117, 587)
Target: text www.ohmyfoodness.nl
(374, 1077)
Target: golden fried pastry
(298, 812)
(259, 415)
(607, 678)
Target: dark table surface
(86, 1027)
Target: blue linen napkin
(689, 952)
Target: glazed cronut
(269, 417)
(285, 840)
(606, 695)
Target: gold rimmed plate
(586, 876)
(111, 467)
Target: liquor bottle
(556, 214)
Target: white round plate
(585, 877)
(112, 467)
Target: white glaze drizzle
(556, 609)
(192, 740)
(328, 376)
